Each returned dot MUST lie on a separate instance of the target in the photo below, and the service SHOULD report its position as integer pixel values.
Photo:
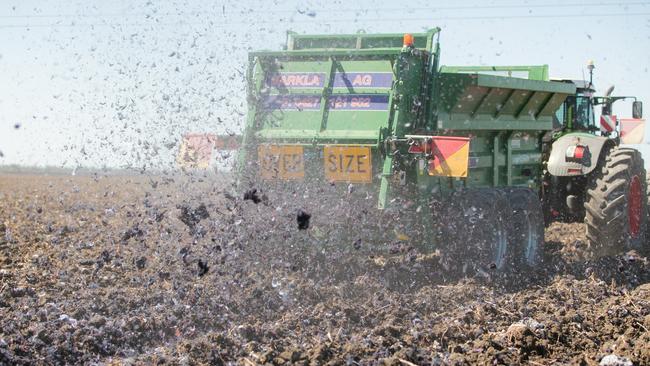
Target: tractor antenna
(591, 67)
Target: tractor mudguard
(560, 166)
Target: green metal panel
(309, 54)
(339, 113)
(497, 158)
(488, 102)
(539, 72)
(360, 120)
(356, 41)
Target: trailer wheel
(616, 203)
(475, 233)
(528, 228)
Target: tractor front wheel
(616, 203)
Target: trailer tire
(616, 204)
(475, 230)
(527, 235)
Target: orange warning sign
(450, 156)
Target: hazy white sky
(116, 83)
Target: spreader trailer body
(378, 114)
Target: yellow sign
(281, 162)
(347, 163)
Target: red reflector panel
(607, 123)
(579, 152)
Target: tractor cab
(577, 111)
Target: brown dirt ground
(174, 270)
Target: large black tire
(527, 236)
(474, 229)
(616, 205)
(646, 248)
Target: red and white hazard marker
(607, 123)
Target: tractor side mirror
(637, 109)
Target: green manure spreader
(468, 161)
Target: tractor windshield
(584, 116)
(577, 113)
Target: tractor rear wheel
(616, 204)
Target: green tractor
(471, 161)
(589, 177)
